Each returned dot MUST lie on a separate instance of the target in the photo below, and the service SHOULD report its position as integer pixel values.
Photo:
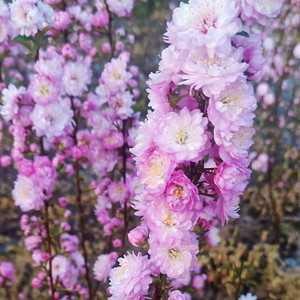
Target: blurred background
(260, 252)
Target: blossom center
(181, 136)
(168, 221)
(178, 191)
(206, 23)
(44, 90)
(117, 75)
(174, 253)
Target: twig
(80, 207)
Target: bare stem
(109, 32)
(80, 207)
(48, 234)
(124, 160)
(52, 288)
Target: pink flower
(121, 8)
(114, 140)
(77, 75)
(101, 18)
(174, 259)
(181, 194)
(60, 266)
(259, 10)
(51, 120)
(154, 170)
(212, 74)
(131, 279)
(176, 295)
(199, 281)
(7, 270)
(5, 161)
(122, 104)
(233, 107)
(138, 235)
(36, 283)
(213, 237)
(253, 54)
(61, 20)
(32, 242)
(62, 202)
(28, 194)
(234, 145)
(85, 41)
(103, 266)
(11, 100)
(69, 51)
(118, 192)
(208, 24)
(29, 15)
(231, 179)
(260, 164)
(45, 171)
(115, 76)
(184, 135)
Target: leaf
(27, 42)
(40, 36)
(243, 33)
(250, 281)
(227, 268)
(247, 267)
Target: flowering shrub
(71, 111)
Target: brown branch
(156, 293)
(80, 207)
(49, 242)
(124, 160)
(48, 234)
(109, 33)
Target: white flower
(249, 296)
(120, 7)
(51, 120)
(10, 101)
(103, 266)
(183, 134)
(131, 280)
(76, 77)
(27, 194)
(28, 16)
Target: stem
(80, 207)
(237, 293)
(49, 248)
(1, 64)
(124, 159)
(7, 292)
(110, 33)
(156, 293)
(48, 234)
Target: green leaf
(41, 34)
(227, 268)
(243, 33)
(250, 281)
(247, 267)
(27, 42)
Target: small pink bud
(62, 202)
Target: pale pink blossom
(184, 135)
(103, 266)
(131, 279)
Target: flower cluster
(191, 153)
(63, 123)
(71, 110)
(7, 273)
